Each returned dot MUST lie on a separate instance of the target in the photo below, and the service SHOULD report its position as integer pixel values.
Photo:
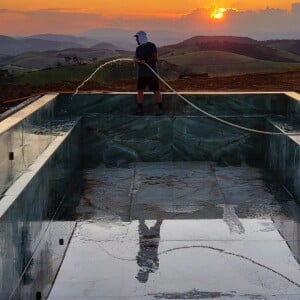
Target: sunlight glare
(218, 13)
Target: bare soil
(13, 94)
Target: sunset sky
(24, 17)
(113, 8)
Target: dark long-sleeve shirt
(148, 53)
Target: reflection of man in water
(147, 257)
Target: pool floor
(181, 230)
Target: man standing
(146, 52)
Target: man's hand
(139, 61)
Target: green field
(218, 63)
(50, 59)
(291, 46)
(76, 73)
(34, 60)
(15, 71)
(109, 74)
(215, 63)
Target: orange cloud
(48, 21)
(77, 19)
(115, 8)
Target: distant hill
(4, 58)
(219, 63)
(78, 40)
(110, 74)
(32, 61)
(215, 55)
(9, 46)
(218, 39)
(48, 59)
(45, 45)
(238, 45)
(13, 46)
(292, 46)
(104, 45)
(46, 42)
(88, 53)
(124, 39)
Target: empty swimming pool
(100, 204)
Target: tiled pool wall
(118, 141)
(282, 159)
(25, 141)
(30, 227)
(111, 134)
(101, 128)
(219, 104)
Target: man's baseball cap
(140, 33)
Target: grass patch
(219, 63)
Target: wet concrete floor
(182, 230)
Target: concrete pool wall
(44, 147)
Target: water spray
(99, 68)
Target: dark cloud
(6, 11)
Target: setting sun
(218, 13)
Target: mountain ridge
(14, 46)
(239, 45)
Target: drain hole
(11, 156)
